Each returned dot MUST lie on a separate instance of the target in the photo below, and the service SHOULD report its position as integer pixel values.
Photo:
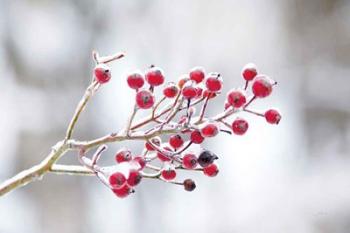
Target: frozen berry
(134, 178)
(168, 173)
(236, 98)
(196, 137)
(176, 141)
(154, 76)
(239, 126)
(189, 185)
(123, 155)
(272, 116)
(189, 161)
(209, 94)
(211, 170)
(189, 92)
(182, 81)
(262, 86)
(171, 90)
(102, 73)
(135, 80)
(206, 158)
(197, 74)
(249, 71)
(144, 99)
(122, 191)
(209, 130)
(117, 179)
(214, 82)
(141, 161)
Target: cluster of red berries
(193, 89)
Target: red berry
(249, 71)
(209, 94)
(163, 156)
(199, 92)
(236, 98)
(170, 90)
(155, 141)
(262, 86)
(209, 130)
(144, 99)
(189, 185)
(214, 82)
(168, 173)
(154, 76)
(122, 192)
(196, 137)
(239, 126)
(197, 74)
(176, 141)
(117, 179)
(189, 92)
(272, 116)
(211, 170)
(135, 80)
(141, 161)
(134, 178)
(182, 81)
(102, 73)
(123, 155)
(189, 161)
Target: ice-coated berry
(122, 191)
(272, 116)
(262, 86)
(144, 99)
(211, 170)
(154, 76)
(189, 185)
(189, 92)
(163, 156)
(196, 137)
(176, 141)
(117, 179)
(102, 73)
(189, 161)
(123, 155)
(209, 130)
(249, 71)
(171, 90)
(206, 158)
(197, 74)
(214, 82)
(134, 178)
(168, 173)
(156, 141)
(135, 80)
(236, 98)
(239, 126)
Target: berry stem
(253, 112)
(204, 107)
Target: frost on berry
(178, 120)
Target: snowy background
(290, 178)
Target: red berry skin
(141, 161)
(211, 170)
(199, 92)
(122, 192)
(196, 137)
(154, 76)
(117, 179)
(168, 174)
(197, 74)
(171, 90)
(102, 73)
(155, 141)
(236, 98)
(272, 116)
(134, 178)
(176, 141)
(189, 92)
(123, 155)
(135, 80)
(209, 94)
(227, 105)
(189, 161)
(162, 156)
(239, 126)
(144, 99)
(262, 86)
(182, 81)
(214, 83)
(209, 130)
(249, 71)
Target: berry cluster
(177, 124)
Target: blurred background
(293, 177)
